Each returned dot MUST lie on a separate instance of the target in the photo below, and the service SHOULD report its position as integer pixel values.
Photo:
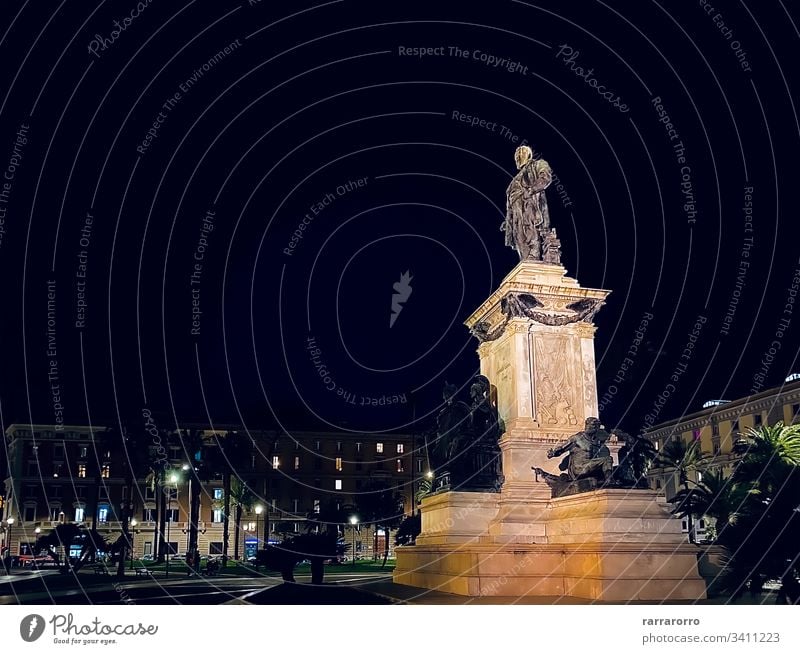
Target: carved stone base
(607, 545)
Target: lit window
(81, 473)
(275, 462)
(358, 447)
(338, 484)
(399, 448)
(339, 463)
(399, 465)
(102, 514)
(295, 505)
(316, 506)
(297, 463)
(218, 494)
(79, 514)
(379, 448)
(105, 471)
(216, 515)
(83, 451)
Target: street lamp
(173, 479)
(259, 511)
(133, 532)
(354, 523)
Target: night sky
(167, 168)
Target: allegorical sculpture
(466, 454)
(589, 464)
(527, 223)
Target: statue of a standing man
(527, 218)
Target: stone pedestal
(607, 545)
(537, 350)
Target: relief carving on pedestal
(555, 401)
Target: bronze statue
(527, 217)
(588, 464)
(466, 456)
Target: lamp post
(354, 524)
(133, 532)
(173, 479)
(7, 541)
(259, 510)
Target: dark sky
(656, 117)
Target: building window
(316, 506)
(55, 492)
(102, 514)
(399, 465)
(379, 465)
(735, 425)
(296, 526)
(275, 462)
(217, 515)
(79, 511)
(317, 464)
(338, 446)
(172, 515)
(295, 506)
(149, 492)
(58, 451)
(297, 463)
(358, 484)
(148, 547)
(339, 463)
(717, 448)
(658, 483)
(219, 494)
(105, 471)
(124, 492)
(400, 448)
(215, 547)
(32, 469)
(379, 448)
(317, 445)
(83, 452)
(757, 420)
(80, 492)
(81, 470)
(55, 512)
(148, 515)
(359, 465)
(358, 448)
(30, 514)
(338, 485)
(419, 465)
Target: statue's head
(480, 387)
(449, 391)
(592, 425)
(522, 155)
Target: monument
(504, 519)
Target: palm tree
(715, 496)
(242, 499)
(682, 458)
(763, 540)
(230, 455)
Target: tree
(682, 458)
(242, 499)
(231, 454)
(763, 537)
(65, 536)
(381, 506)
(408, 530)
(716, 496)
